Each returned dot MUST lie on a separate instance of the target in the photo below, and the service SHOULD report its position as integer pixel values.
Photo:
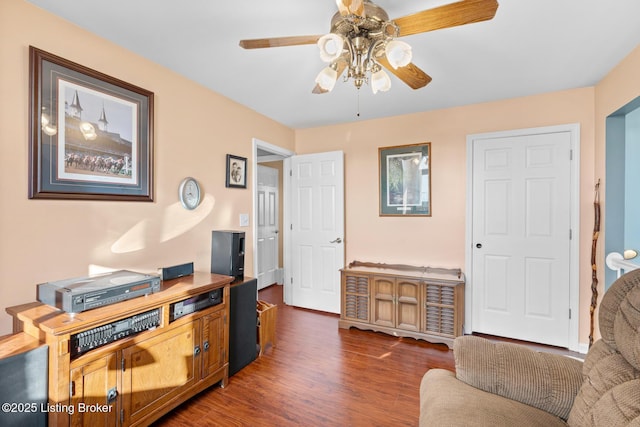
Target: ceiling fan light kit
(398, 53)
(331, 46)
(362, 41)
(327, 78)
(380, 81)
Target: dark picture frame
(91, 135)
(236, 172)
(405, 180)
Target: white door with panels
(521, 236)
(267, 221)
(317, 230)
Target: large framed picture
(91, 135)
(236, 172)
(405, 180)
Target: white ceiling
(531, 46)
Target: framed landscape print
(91, 135)
(405, 180)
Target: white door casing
(264, 151)
(522, 232)
(317, 230)
(267, 220)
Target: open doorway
(268, 212)
(622, 230)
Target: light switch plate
(244, 220)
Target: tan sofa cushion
(610, 394)
(619, 317)
(543, 380)
(448, 402)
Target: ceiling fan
(362, 41)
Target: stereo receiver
(114, 331)
(193, 304)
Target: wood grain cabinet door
(157, 370)
(408, 304)
(384, 295)
(93, 402)
(212, 343)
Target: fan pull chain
(358, 103)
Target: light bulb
(331, 46)
(326, 78)
(398, 53)
(380, 81)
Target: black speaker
(24, 387)
(227, 253)
(168, 273)
(243, 324)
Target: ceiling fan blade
(449, 15)
(410, 74)
(341, 65)
(351, 7)
(278, 41)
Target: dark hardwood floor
(319, 375)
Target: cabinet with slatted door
(401, 300)
(442, 313)
(355, 297)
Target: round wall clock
(189, 192)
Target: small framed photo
(236, 172)
(91, 135)
(405, 180)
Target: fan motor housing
(373, 22)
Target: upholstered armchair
(505, 384)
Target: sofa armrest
(546, 381)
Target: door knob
(478, 245)
(338, 240)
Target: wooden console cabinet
(417, 302)
(137, 379)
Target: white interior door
(267, 220)
(317, 230)
(521, 237)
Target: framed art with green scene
(405, 180)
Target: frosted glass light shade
(326, 78)
(380, 81)
(331, 46)
(398, 53)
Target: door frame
(278, 153)
(276, 274)
(574, 264)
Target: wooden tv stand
(402, 300)
(137, 379)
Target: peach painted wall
(439, 241)
(45, 240)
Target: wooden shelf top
(436, 276)
(453, 275)
(11, 345)
(57, 322)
